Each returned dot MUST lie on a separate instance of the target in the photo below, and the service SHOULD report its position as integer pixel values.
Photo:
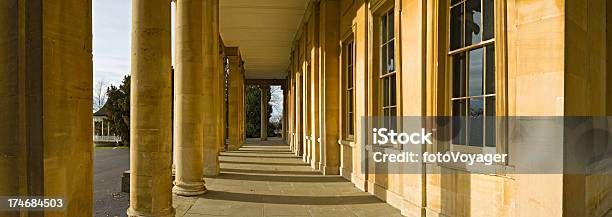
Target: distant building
(102, 135)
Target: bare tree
(276, 100)
(99, 94)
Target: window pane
(393, 119)
(456, 27)
(475, 122)
(490, 68)
(349, 101)
(391, 56)
(488, 19)
(392, 90)
(383, 29)
(473, 23)
(390, 27)
(347, 54)
(458, 122)
(349, 77)
(383, 60)
(459, 75)
(352, 53)
(385, 92)
(475, 74)
(386, 118)
(490, 122)
(349, 66)
(350, 123)
(455, 1)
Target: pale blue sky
(112, 21)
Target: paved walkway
(109, 165)
(265, 179)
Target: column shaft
(189, 100)
(299, 127)
(264, 111)
(234, 100)
(242, 106)
(292, 114)
(12, 147)
(222, 126)
(45, 106)
(219, 81)
(211, 92)
(306, 113)
(315, 150)
(330, 88)
(39, 69)
(151, 106)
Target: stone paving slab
(264, 179)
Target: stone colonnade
(46, 70)
(313, 86)
(199, 123)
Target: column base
(330, 170)
(169, 212)
(314, 165)
(189, 189)
(346, 173)
(211, 172)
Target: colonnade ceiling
(264, 31)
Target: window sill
(346, 143)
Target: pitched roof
(102, 112)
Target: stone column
(189, 100)
(298, 140)
(12, 146)
(330, 88)
(211, 92)
(242, 106)
(222, 103)
(45, 106)
(233, 56)
(264, 111)
(151, 105)
(285, 113)
(306, 114)
(219, 80)
(315, 149)
(294, 103)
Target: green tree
(118, 103)
(253, 111)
